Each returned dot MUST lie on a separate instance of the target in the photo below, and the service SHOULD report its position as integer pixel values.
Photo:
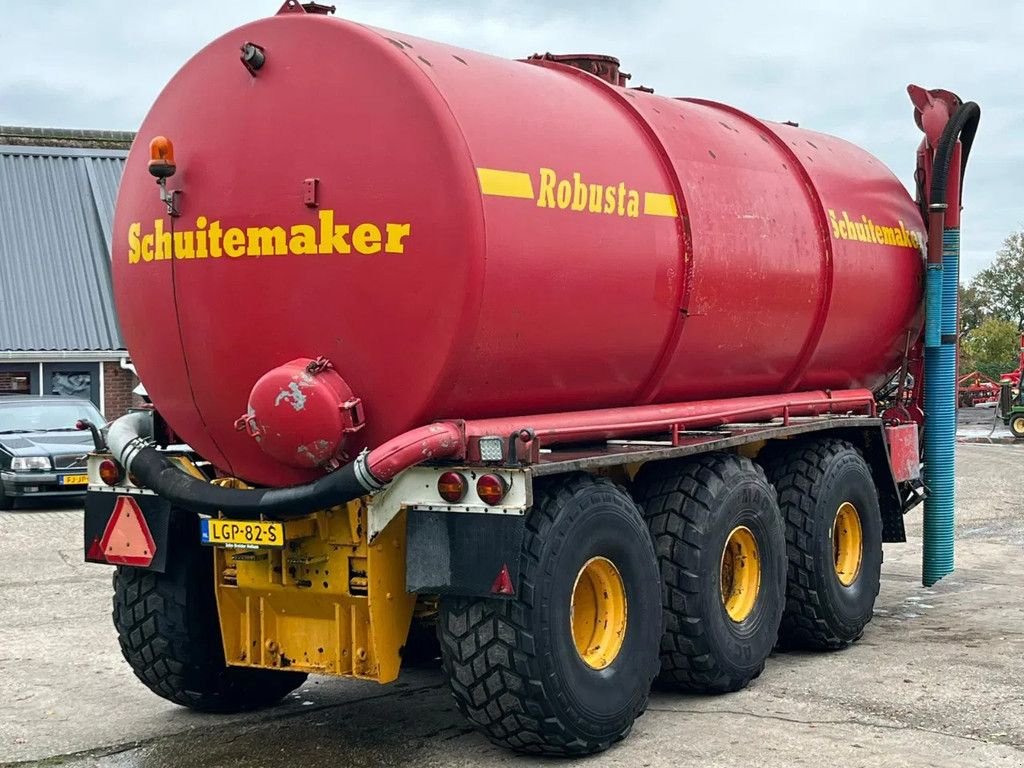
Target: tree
(972, 309)
(1000, 287)
(992, 347)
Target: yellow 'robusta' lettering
(577, 195)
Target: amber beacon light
(161, 157)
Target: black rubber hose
(962, 125)
(156, 472)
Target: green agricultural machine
(1011, 408)
(1011, 396)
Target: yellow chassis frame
(328, 602)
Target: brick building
(58, 329)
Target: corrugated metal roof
(56, 213)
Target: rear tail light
(452, 487)
(491, 489)
(110, 473)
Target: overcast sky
(836, 67)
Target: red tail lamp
(110, 473)
(491, 489)
(452, 487)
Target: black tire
(693, 507)
(513, 664)
(169, 633)
(814, 479)
(1016, 424)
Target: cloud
(839, 68)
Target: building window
(69, 379)
(15, 382)
(71, 384)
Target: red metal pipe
(447, 440)
(556, 428)
(443, 440)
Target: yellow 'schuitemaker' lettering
(210, 240)
(865, 230)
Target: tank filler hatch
(294, 6)
(604, 67)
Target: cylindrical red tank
(464, 236)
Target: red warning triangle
(503, 583)
(127, 539)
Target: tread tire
(1016, 424)
(692, 506)
(169, 632)
(812, 478)
(512, 664)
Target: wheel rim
(847, 543)
(741, 573)
(598, 612)
(1017, 425)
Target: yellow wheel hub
(598, 612)
(847, 543)
(741, 573)
(1017, 424)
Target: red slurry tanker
(597, 384)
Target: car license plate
(74, 479)
(240, 534)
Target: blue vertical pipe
(949, 162)
(940, 411)
(933, 306)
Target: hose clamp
(363, 474)
(133, 448)
(937, 206)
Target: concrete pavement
(982, 424)
(936, 680)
